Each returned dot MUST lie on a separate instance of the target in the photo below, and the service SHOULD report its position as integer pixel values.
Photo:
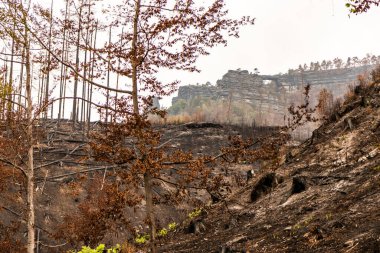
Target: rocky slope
(324, 198)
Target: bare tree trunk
(91, 78)
(149, 210)
(108, 77)
(11, 98)
(63, 72)
(135, 62)
(118, 75)
(82, 115)
(41, 90)
(65, 81)
(77, 69)
(48, 70)
(29, 132)
(4, 84)
(21, 79)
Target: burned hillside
(74, 191)
(323, 198)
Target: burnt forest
(105, 147)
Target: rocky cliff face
(272, 93)
(335, 80)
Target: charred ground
(325, 197)
(70, 180)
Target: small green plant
(297, 226)
(141, 239)
(276, 236)
(302, 224)
(195, 213)
(100, 249)
(308, 220)
(377, 168)
(172, 226)
(163, 232)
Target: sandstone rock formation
(273, 93)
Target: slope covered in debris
(69, 180)
(325, 197)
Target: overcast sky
(288, 33)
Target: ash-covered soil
(324, 198)
(61, 186)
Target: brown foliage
(265, 150)
(13, 149)
(376, 74)
(8, 243)
(136, 147)
(353, 95)
(325, 103)
(128, 248)
(101, 212)
(337, 106)
(303, 113)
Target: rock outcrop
(272, 93)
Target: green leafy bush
(195, 213)
(141, 239)
(100, 249)
(162, 232)
(172, 226)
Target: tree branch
(72, 68)
(176, 184)
(13, 165)
(121, 166)
(20, 216)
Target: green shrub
(162, 232)
(195, 213)
(172, 226)
(141, 239)
(100, 249)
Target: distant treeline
(338, 63)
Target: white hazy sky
(288, 33)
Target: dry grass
(222, 112)
(127, 247)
